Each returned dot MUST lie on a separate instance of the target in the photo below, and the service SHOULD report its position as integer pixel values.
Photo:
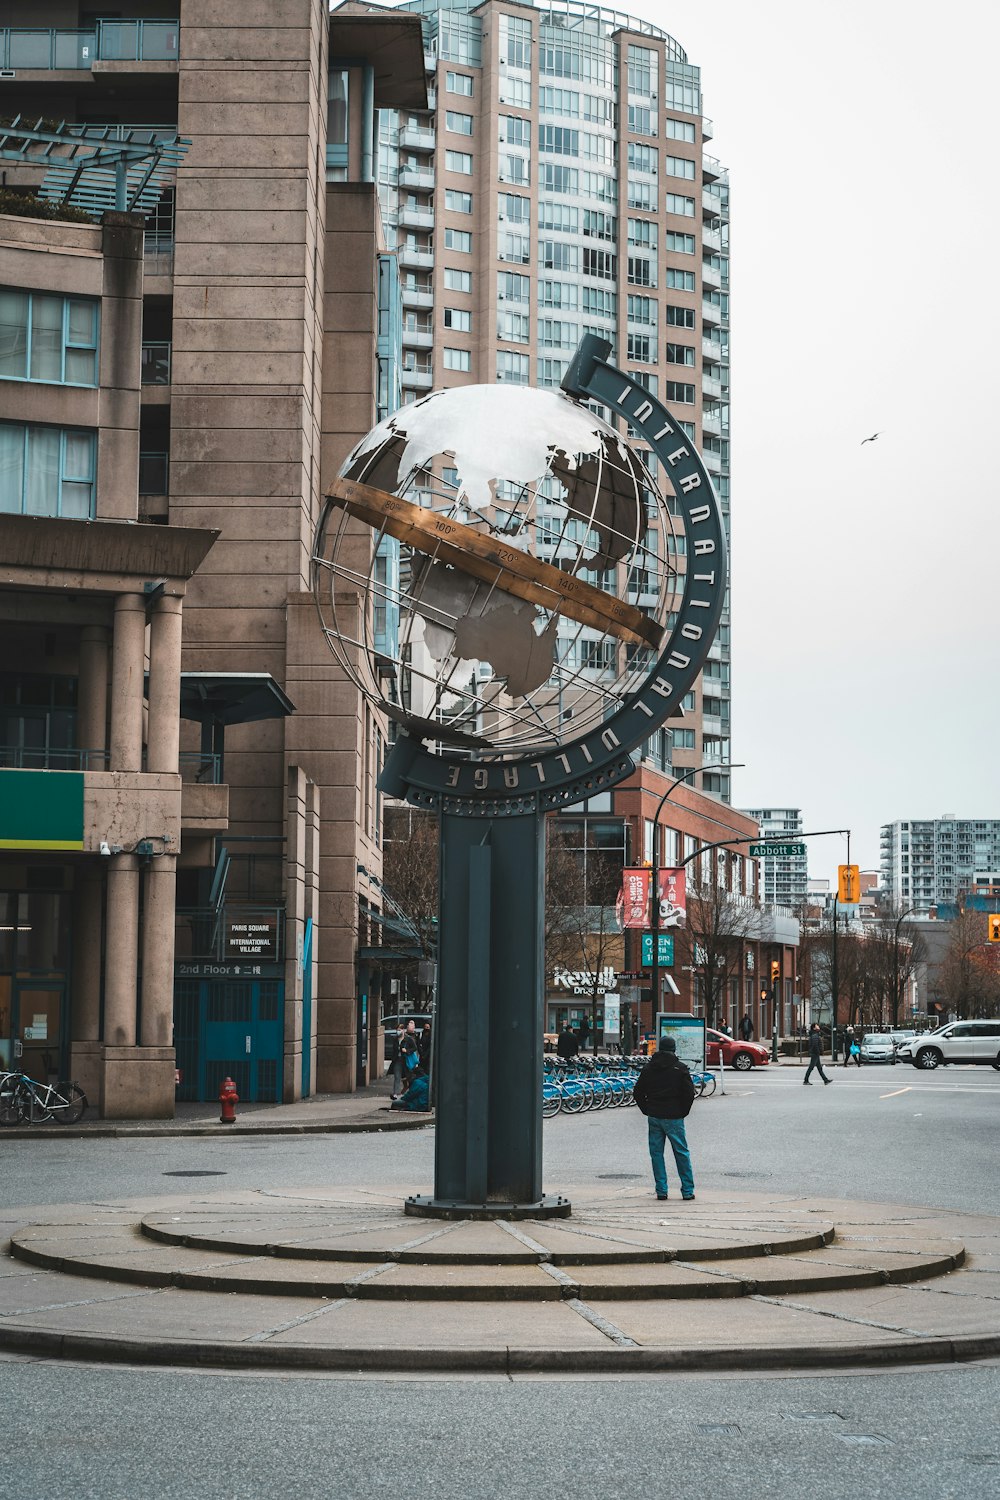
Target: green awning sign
(41, 809)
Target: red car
(735, 1052)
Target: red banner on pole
(634, 898)
(673, 898)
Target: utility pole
(834, 986)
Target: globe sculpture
(543, 602)
(533, 609)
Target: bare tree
(410, 871)
(581, 930)
(967, 979)
(719, 924)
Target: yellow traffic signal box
(775, 971)
(993, 926)
(848, 884)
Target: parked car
(957, 1042)
(390, 1023)
(735, 1052)
(878, 1047)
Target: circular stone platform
(315, 1279)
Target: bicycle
(704, 1084)
(22, 1098)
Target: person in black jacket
(567, 1046)
(665, 1093)
(816, 1053)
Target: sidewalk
(367, 1109)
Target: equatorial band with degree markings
(538, 781)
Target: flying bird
(869, 439)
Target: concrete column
(164, 684)
(121, 951)
(86, 1005)
(159, 889)
(92, 710)
(127, 668)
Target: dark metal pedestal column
(488, 1149)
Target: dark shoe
(662, 1197)
(806, 1083)
(688, 1197)
(827, 1080)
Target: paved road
(890, 1134)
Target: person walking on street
(410, 1048)
(746, 1027)
(848, 1043)
(396, 1062)
(424, 1047)
(664, 1093)
(816, 1053)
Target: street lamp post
(714, 765)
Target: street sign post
(665, 950)
(766, 847)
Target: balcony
(412, 258)
(711, 275)
(711, 423)
(417, 380)
(711, 238)
(417, 177)
(418, 338)
(711, 168)
(155, 362)
(48, 49)
(416, 218)
(715, 351)
(707, 128)
(714, 204)
(711, 389)
(417, 296)
(413, 138)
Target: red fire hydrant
(228, 1098)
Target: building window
(564, 294)
(598, 225)
(641, 348)
(641, 158)
(515, 247)
(458, 83)
(680, 317)
(642, 70)
(457, 359)
(559, 102)
(555, 178)
(680, 130)
(641, 119)
(676, 391)
(678, 204)
(683, 739)
(458, 239)
(458, 161)
(680, 166)
(554, 334)
(515, 91)
(457, 281)
(48, 338)
(642, 233)
(559, 216)
(680, 354)
(642, 195)
(680, 281)
(642, 310)
(457, 202)
(599, 302)
(514, 169)
(515, 41)
(558, 140)
(641, 272)
(512, 327)
(555, 256)
(600, 263)
(513, 369)
(512, 287)
(46, 471)
(458, 318)
(680, 244)
(551, 372)
(514, 131)
(514, 209)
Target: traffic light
(775, 971)
(848, 884)
(765, 993)
(993, 926)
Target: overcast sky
(861, 140)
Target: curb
(502, 1361)
(128, 1132)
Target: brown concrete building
(249, 350)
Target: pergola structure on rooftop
(95, 168)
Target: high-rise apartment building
(938, 861)
(560, 184)
(784, 878)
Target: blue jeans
(661, 1131)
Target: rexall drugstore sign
(41, 809)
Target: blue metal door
(229, 1028)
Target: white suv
(958, 1042)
